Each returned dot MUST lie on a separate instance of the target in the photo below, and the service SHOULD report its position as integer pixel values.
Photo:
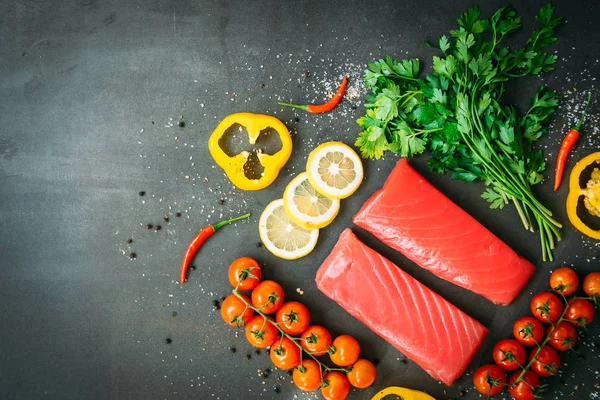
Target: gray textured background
(91, 92)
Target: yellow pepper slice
(591, 192)
(404, 393)
(234, 166)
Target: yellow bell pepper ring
(234, 166)
(590, 193)
(403, 393)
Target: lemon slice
(281, 236)
(306, 207)
(335, 170)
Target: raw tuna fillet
(413, 217)
(410, 316)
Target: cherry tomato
(261, 333)
(528, 331)
(580, 312)
(526, 389)
(293, 318)
(363, 374)
(591, 284)
(564, 280)
(267, 296)
(316, 340)
(546, 307)
(308, 375)
(337, 387)
(344, 351)
(564, 336)
(509, 354)
(285, 354)
(547, 361)
(244, 273)
(489, 379)
(233, 307)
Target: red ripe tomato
(308, 375)
(547, 361)
(261, 333)
(244, 273)
(337, 386)
(293, 318)
(564, 336)
(232, 309)
(591, 284)
(344, 351)
(528, 331)
(363, 374)
(285, 354)
(580, 312)
(316, 340)
(546, 307)
(509, 354)
(267, 296)
(564, 280)
(527, 388)
(489, 379)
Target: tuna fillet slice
(429, 330)
(412, 216)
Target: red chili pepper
(197, 241)
(566, 146)
(321, 108)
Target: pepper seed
(133, 256)
(168, 340)
(165, 219)
(178, 214)
(129, 240)
(157, 227)
(141, 193)
(181, 124)
(148, 226)
(258, 244)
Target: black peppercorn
(178, 214)
(141, 193)
(165, 219)
(248, 356)
(221, 202)
(257, 352)
(129, 240)
(133, 255)
(232, 349)
(306, 74)
(157, 227)
(258, 244)
(181, 124)
(168, 341)
(262, 85)
(148, 226)
(276, 389)
(216, 304)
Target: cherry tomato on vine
(547, 361)
(528, 331)
(363, 374)
(261, 333)
(526, 389)
(233, 307)
(564, 336)
(316, 340)
(308, 375)
(591, 284)
(244, 273)
(580, 312)
(509, 354)
(564, 280)
(546, 307)
(285, 354)
(267, 296)
(337, 386)
(489, 379)
(293, 318)
(344, 350)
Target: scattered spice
(248, 356)
(148, 226)
(257, 352)
(174, 314)
(129, 240)
(133, 256)
(296, 119)
(157, 227)
(258, 244)
(168, 340)
(178, 214)
(232, 349)
(306, 74)
(276, 389)
(141, 193)
(165, 219)
(262, 85)
(181, 124)
(221, 202)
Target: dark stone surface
(92, 94)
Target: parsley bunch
(457, 112)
